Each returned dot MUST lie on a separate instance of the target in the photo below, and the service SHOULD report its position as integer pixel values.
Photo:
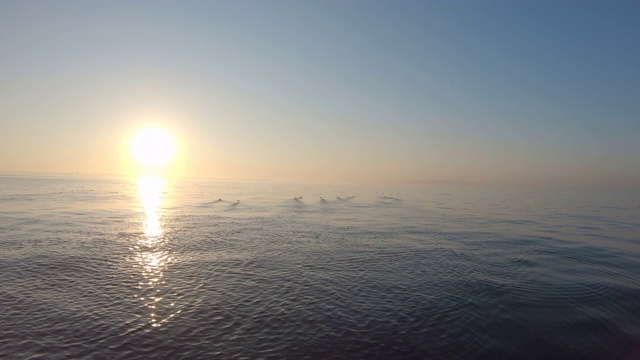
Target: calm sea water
(100, 268)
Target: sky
(488, 92)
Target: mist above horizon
(493, 93)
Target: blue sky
(492, 92)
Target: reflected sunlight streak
(150, 190)
(151, 255)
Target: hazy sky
(534, 92)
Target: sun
(153, 147)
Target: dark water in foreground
(121, 269)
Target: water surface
(113, 268)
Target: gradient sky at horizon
(495, 92)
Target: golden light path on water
(151, 253)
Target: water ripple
(437, 277)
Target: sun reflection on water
(151, 252)
(150, 190)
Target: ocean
(194, 269)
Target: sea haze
(152, 268)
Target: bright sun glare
(153, 147)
